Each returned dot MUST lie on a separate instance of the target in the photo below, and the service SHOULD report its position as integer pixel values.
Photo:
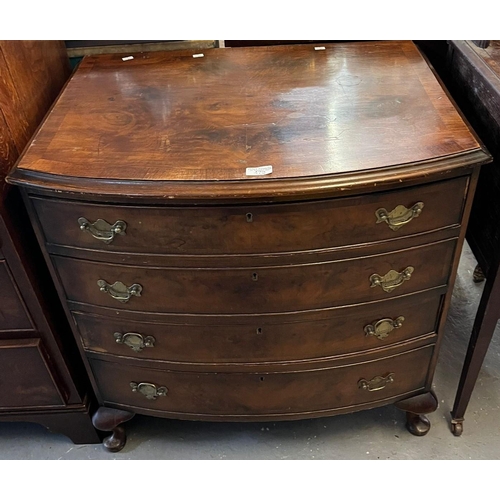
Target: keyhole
(249, 217)
(259, 331)
(255, 276)
(262, 379)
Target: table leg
(484, 325)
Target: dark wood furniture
(254, 233)
(474, 74)
(42, 377)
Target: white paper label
(128, 58)
(265, 170)
(198, 55)
(319, 48)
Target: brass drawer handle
(400, 216)
(392, 279)
(119, 291)
(102, 230)
(383, 327)
(376, 383)
(150, 391)
(135, 341)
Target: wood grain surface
(171, 117)
(252, 229)
(31, 75)
(190, 342)
(243, 290)
(234, 396)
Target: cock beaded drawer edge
(254, 234)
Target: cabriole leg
(416, 408)
(109, 419)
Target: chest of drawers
(254, 234)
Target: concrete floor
(372, 434)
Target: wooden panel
(26, 379)
(259, 289)
(192, 341)
(13, 313)
(350, 108)
(79, 48)
(252, 229)
(12, 109)
(8, 150)
(37, 70)
(240, 395)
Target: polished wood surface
(255, 229)
(42, 379)
(31, 75)
(180, 341)
(257, 290)
(174, 124)
(247, 396)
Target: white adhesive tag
(319, 48)
(128, 58)
(198, 55)
(265, 170)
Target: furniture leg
(478, 275)
(109, 419)
(484, 326)
(416, 407)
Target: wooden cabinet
(255, 234)
(42, 378)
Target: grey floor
(374, 434)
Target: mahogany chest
(254, 233)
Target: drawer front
(250, 229)
(254, 290)
(26, 379)
(261, 394)
(13, 314)
(264, 339)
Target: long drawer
(193, 341)
(256, 290)
(205, 395)
(252, 229)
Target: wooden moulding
(178, 129)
